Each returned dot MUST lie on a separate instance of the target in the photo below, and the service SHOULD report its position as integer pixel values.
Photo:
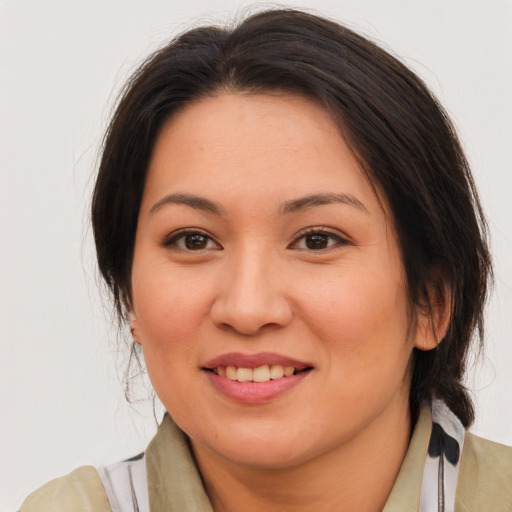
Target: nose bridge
(251, 295)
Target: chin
(275, 447)
(264, 455)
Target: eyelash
(173, 240)
(323, 232)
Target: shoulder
(485, 479)
(81, 490)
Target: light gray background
(62, 403)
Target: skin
(255, 285)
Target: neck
(357, 476)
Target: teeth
(231, 372)
(276, 371)
(263, 373)
(288, 371)
(244, 374)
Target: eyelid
(320, 230)
(169, 241)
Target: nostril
(248, 329)
(248, 306)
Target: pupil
(195, 241)
(316, 241)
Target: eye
(317, 239)
(190, 241)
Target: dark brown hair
(397, 130)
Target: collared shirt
(437, 451)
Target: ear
(134, 327)
(433, 318)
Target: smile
(262, 373)
(255, 378)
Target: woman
(286, 220)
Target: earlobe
(427, 337)
(134, 327)
(433, 319)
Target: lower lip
(255, 392)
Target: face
(269, 295)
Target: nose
(251, 297)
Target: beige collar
(405, 495)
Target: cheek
(170, 315)
(168, 308)
(363, 319)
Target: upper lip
(241, 360)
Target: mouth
(263, 373)
(255, 378)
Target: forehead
(254, 145)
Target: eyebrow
(196, 202)
(295, 205)
(306, 202)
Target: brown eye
(317, 241)
(195, 241)
(190, 241)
